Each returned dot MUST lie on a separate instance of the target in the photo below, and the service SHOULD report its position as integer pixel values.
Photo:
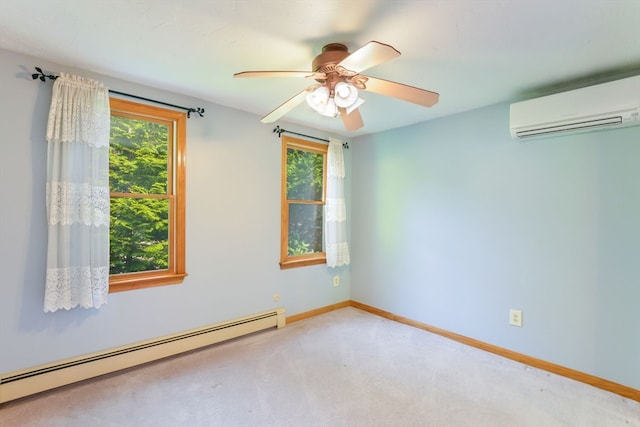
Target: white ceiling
(473, 52)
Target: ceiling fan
(337, 73)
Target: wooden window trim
(294, 261)
(175, 192)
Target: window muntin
(303, 198)
(147, 182)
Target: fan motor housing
(332, 54)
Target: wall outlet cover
(515, 317)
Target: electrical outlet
(276, 297)
(515, 317)
(336, 281)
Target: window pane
(138, 160)
(139, 235)
(304, 175)
(305, 229)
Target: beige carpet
(344, 368)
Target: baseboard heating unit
(30, 381)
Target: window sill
(128, 282)
(303, 261)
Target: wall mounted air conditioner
(602, 106)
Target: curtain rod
(280, 131)
(199, 110)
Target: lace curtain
(77, 194)
(335, 229)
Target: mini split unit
(603, 106)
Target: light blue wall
(455, 223)
(233, 232)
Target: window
(304, 165)
(147, 184)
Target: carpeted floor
(344, 368)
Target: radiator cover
(45, 377)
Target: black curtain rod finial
(199, 111)
(42, 76)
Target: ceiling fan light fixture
(317, 99)
(330, 109)
(321, 101)
(346, 94)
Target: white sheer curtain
(335, 228)
(77, 194)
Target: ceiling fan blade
(307, 74)
(351, 121)
(407, 93)
(369, 55)
(287, 106)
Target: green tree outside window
(138, 172)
